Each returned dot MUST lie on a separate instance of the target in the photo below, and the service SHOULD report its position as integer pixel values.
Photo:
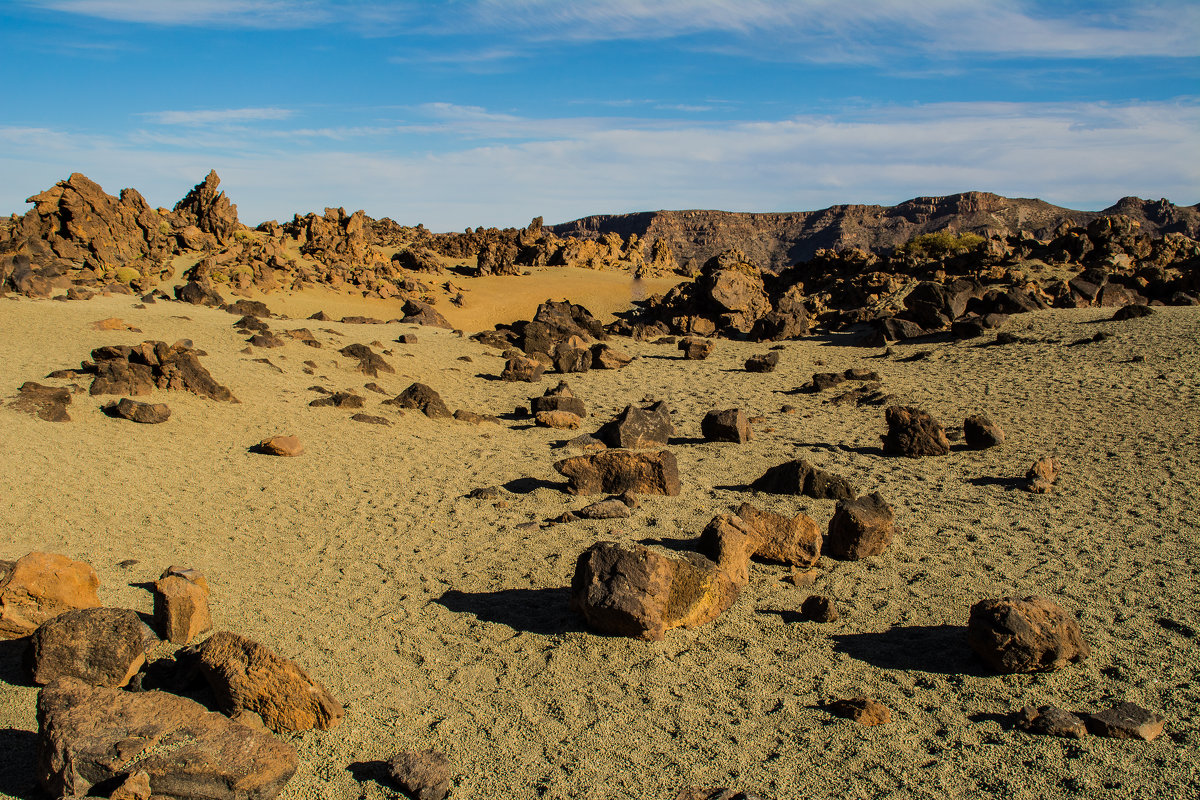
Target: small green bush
(127, 275)
(940, 244)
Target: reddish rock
(605, 357)
(1042, 476)
(95, 736)
(1051, 721)
(39, 587)
(981, 433)
(612, 508)
(280, 446)
(696, 349)
(135, 787)
(862, 710)
(1024, 635)
(521, 368)
(99, 646)
(423, 399)
(563, 420)
(913, 433)
(800, 477)
(729, 542)
(616, 471)
(144, 413)
(244, 674)
(635, 591)
(1127, 721)
(423, 775)
(181, 605)
(730, 425)
(861, 528)
(789, 540)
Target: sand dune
(442, 621)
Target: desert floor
(442, 621)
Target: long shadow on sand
(17, 775)
(940, 649)
(542, 611)
(14, 666)
(1003, 483)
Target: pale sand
(441, 624)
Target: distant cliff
(778, 240)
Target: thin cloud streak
(224, 116)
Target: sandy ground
(442, 621)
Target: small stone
(281, 446)
(729, 425)
(1042, 476)
(424, 399)
(520, 368)
(1127, 721)
(696, 349)
(803, 578)
(563, 420)
(371, 419)
(604, 509)
(762, 363)
(817, 608)
(981, 433)
(144, 413)
(423, 775)
(862, 710)
(1051, 721)
(913, 433)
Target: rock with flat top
(99, 646)
(280, 446)
(143, 413)
(1127, 721)
(638, 428)
(560, 398)
(39, 587)
(792, 540)
(423, 775)
(45, 402)
(616, 471)
(1051, 721)
(861, 528)
(728, 425)
(800, 477)
(181, 611)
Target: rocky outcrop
(208, 210)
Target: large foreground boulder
(634, 591)
(41, 586)
(1031, 634)
(100, 646)
(91, 737)
(244, 675)
(616, 471)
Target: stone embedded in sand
(423, 775)
(563, 420)
(339, 400)
(765, 362)
(1132, 311)
(244, 674)
(818, 608)
(981, 433)
(560, 398)
(370, 419)
(634, 591)
(616, 471)
(1042, 475)
(1051, 721)
(861, 528)
(99, 646)
(800, 477)
(696, 349)
(824, 380)
(612, 508)
(144, 413)
(423, 399)
(198, 294)
(280, 446)
(181, 605)
(474, 417)
(605, 357)
(638, 428)
(729, 425)
(46, 402)
(718, 793)
(913, 433)
(267, 339)
(39, 587)
(96, 736)
(418, 313)
(587, 443)
(1126, 721)
(1031, 634)
(369, 362)
(862, 710)
(520, 368)
(789, 540)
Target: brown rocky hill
(778, 240)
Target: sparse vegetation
(940, 244)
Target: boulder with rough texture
(560, 398)
(616, 471)
(563, 420)
(764, 362)
(605, 357)
(209, 209)
(800, 477)
(181, 605)
(860, 528)
(1042, 476)
(1031, 634)
(39, 587)
(818, 608)
(789, 540)
(981, 433)
(634, 591)
(418, 313)
(45, 402)
(1051, 721)
(1126, 721)
(716, 793)
(115, 376)
(280, 446)
(423, 399)
(862, 710)
(369, 362)
(144, 413)
(728, 425)
(92, 736)
(246, 675)
(729, 541)
(569, 358)
(423, 775)
(99, 646)
(696, 349)
(913, 433)
(638, 428)
(135, 787)
(520, 368)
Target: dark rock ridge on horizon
(776, 240)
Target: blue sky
(483, 112)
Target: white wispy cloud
(208, 13)
(216, 116)
(1082, 155)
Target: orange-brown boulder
(39, 588)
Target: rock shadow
(675, 545)
(14, 662)
(1012, 484)
(18, 776)
(527, 485)
(940, 649)
(860, 449)
(377, 771)
(543, 611)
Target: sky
(490, 112)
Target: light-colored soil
(442, 621)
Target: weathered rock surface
(563, 420)
(729, 542)
(138, 370)
(605, 357)
(89, 737)
(1051, 721)
(981, 433)
(246, 675)
(560, 398)
(181, 605)
(144, 413)
(765, 362)
(1041, 477)
(638, 428)
(423, 775)
(1126, 721)
(46, 402)
(99, 646)
(800, 477)
(423, 399)
(696, 349)
(39, 587)
(521, 368)
(862, 710)
(634, 591)
(787, 540)
(280, 446)
(728, 425)
(818, 608)
(369, 362)
(616, 471)
(1031, 634)
(913, 433)
(860, 528)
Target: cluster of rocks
(100, 729)
(967, 286)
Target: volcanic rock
(696, 349)
(1126, 721)
(39, 587)
(369, 362)
(1133, 311)
(862, 710)
(860, 528)
(244, 674)
(818, 608)
(616, 471)
(765, 362)
(981, 433)
(729, 542)
(521, 368)
(912, 433)
(563, 420)
(1031, 634)
(280, 446)
(339, 400)
(46, 402)
(568, 358)
(788, 540)
(114, 376)
(423, 399)
(209, 210)
(730, 425)
(145, 413)
(605, 357)
(612, 508)
(800, 477)
(418, 313)
(638, 428)
(1042, 476)
(181, 605)
(560, 398)
(423, 775)
(99, 646)
(1051, 721)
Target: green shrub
(127, 275)
(940, 244)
